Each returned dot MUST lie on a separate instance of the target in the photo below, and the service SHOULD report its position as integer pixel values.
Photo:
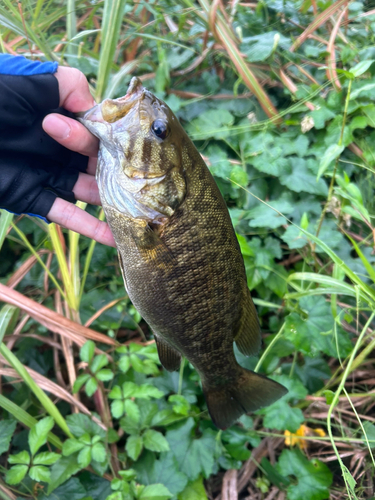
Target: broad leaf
(7, 428)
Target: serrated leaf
(98, 363)
(72, 489)
(117, 408)
(71, 446)
(80, 381)
(15, 474)
(331, 154)
(80, 424)
(84, 457)
(194, 456)
(134, 446)
(213, 123)
(39, 432)
(155, 441)
(105, 375)
(7, 428)
(124, 363)
(91, 386)
(313, 477)
(61, 471)
(194, 491)
(116, 393)
(87, 351)
(46, 458)
(155, 492)
(264, 216)
(98, 452)
(132, 410)
(40, 473)
(22, 457)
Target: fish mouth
(112, 110)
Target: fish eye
(160, 129)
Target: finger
(86, 189)
(74, 90)
(91, 167)
(68, 215)
(71, 134)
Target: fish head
(144, 140)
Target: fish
(179, 255)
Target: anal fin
(169, 357)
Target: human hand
(75, 96)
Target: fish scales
(179, 254)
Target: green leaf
(98, 363)
(281, 415)
(91, 386)
(155, 441)
(22, 457)
(155, 492)
(116, 393)
(46, 458)
(38, 434)
(84, 457)
(71, 446)
(361, 67)
(73, 489)
(87, 351)
(61, 471)
(298, 178)
(332, 152)
(313, 477)
(320, 116)
(194, 491)
(81, 424)
(105, 375)
(329, 395)
(15, 474)
(194, 456)
(260, 47)
(124, 363)
(132, 410)
(7, 428)
(165, 471)
(98, 452)
(264, 216)
(80, 381)
(213, 123)
(117, 408)
(180, 404)
(134, 446)
(40, 473)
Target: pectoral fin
(169, 357)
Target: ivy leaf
(208, 124)
(155, 441)
(264, 216)
(194, 491)
(194, 456)
(260, 47)
(314, 477)
(315, 333)
(165, 471)
(155, 492)
(86, 352)
(39, 432)
(40, 473)
(281, 415)
(313, 373)
(320, 116)
(7, 428)
(15, 474)
(134, 446)
(297, 177)
(46, 458)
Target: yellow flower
(292, 439)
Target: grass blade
(5, 221)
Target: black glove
(34, 168)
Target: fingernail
(56, 127)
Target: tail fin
(249, 392)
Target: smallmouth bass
(179, 255)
